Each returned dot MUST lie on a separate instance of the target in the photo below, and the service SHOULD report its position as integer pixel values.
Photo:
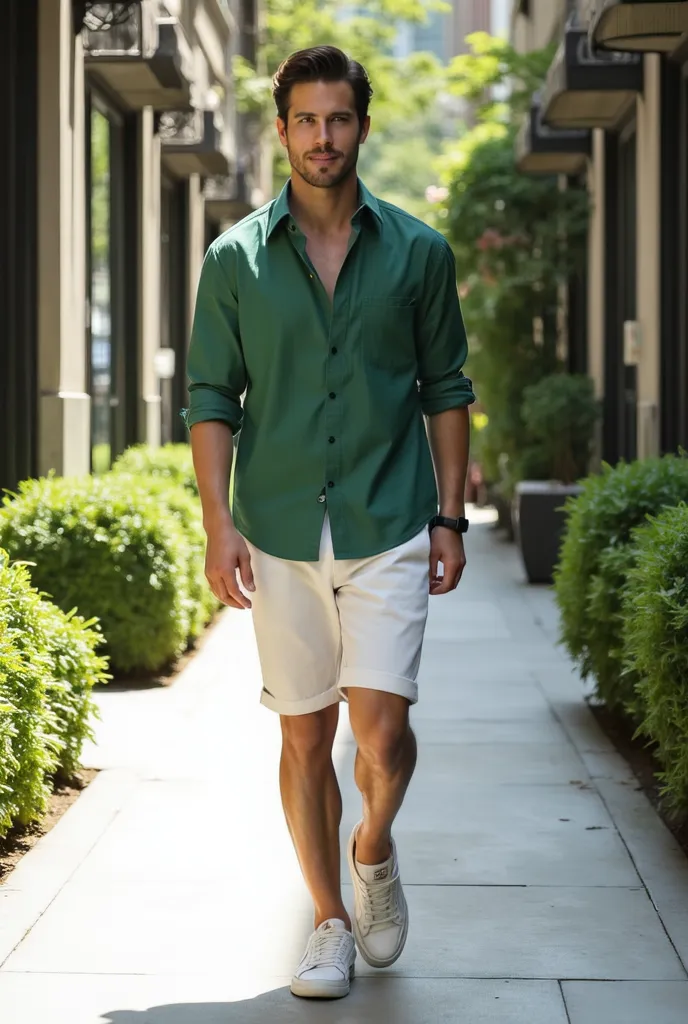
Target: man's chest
(363, 301)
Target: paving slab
(170, 892)
(626, 1002)
(508, 836)
(532, 932)
(219, 999)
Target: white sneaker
(381, 918)
(327, 968)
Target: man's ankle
(330, 915)
(372, 850)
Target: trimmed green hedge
(104, 546)
(171, 462)
(48, 666)
(593, 561)
(655, 643)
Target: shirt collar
(280, 207)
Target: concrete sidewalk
(543, 889)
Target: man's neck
(323, 211)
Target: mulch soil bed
(21, 839)
(643, 763)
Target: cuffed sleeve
(215, 365)
(442, 347)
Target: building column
(64, 406)
(196, 236)
(149, 271)
(649, 257)
(596, 271)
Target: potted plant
(559, 413)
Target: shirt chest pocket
(388, 331)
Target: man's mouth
(324, 158)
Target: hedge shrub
(600, 521)
(48, 667)
(655, 636)
(187, 510)
(103, 546)
(170, 462)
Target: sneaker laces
(380, 904)
(327, 948)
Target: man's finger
(434, 562)
(232, 584)
(219, 589)
(449, 580)
(246, 571)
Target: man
(335, 317)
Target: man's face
(322, 134)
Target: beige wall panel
(196, 241)
(648, 256)
(64, 427)
(596, 243)
(149, 241)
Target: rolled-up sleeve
(442, 344)
(215, 364)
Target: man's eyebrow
(335, 113)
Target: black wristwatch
(459, 525)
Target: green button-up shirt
(329, 396)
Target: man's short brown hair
(321, 64)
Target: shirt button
(330, 483)
(332, 394)
(321, 498)
(334, 351)
(331, 440)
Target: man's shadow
(384, 1000)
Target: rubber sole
(322, 989)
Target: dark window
(18, 243)
(174, 311)
(112, 328)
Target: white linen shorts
(322, 627)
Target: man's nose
(324, 132)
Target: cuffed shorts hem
(386, 682)
(301, 707)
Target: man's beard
(317, 178)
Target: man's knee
(383, 746)
(308, 739)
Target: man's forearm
(213, 450)
(449, 434)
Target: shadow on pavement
(372, 1001)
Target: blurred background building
(124, 157)
(616, 100)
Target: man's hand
(446, 546)
(226, 552)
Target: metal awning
(586, 89)
(540, 149)
(143, 59)
(637, 27)
(192, 143)
(229, 197)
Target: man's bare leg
(313, 806)
(385, 763)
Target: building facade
(617, 95)
(444, 32)
(126, 158)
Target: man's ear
(365, 128)
(281, 130)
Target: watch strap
(459, 525)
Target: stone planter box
(539, 525)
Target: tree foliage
(402, 87)
(517, 240)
